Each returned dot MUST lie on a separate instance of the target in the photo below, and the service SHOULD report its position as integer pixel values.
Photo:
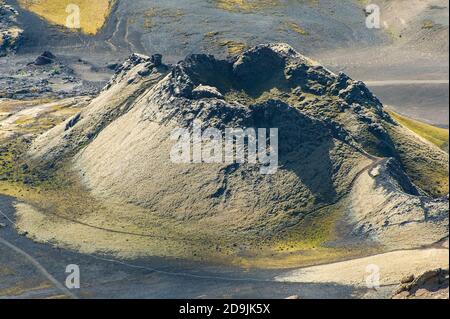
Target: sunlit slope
(436, 135)
(92, 14)
(245, 5)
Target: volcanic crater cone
(336, 145)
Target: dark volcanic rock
(156, 59)
(433, 284)
(45, 58)
(48, 55)
(204, 91)
(10, 31)
(45, 77)
(113, 66)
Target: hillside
(224, 149)
(342, 159)
(92, 14)
(221, 28)
(417, 25)
(436, 135)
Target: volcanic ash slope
(332, 133)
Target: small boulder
(295, 297)
(408, 279)
(156, 59)
(145, 72)
(45, 59)
(431, 284)
(49, 55)
(113, 66)
(205, 92)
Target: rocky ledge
(10, 32)
(430, 285)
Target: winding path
(34, 262)
(39, 267)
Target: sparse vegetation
(436, 135)
(93, 14)
(234, 47)
(295, 27)
(150, 16)
(14, 170)
(428, 24)
(245, 5)
(425, 164)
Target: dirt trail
(392, 268)
(33, 261)
(41, 268)
(104, 276)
